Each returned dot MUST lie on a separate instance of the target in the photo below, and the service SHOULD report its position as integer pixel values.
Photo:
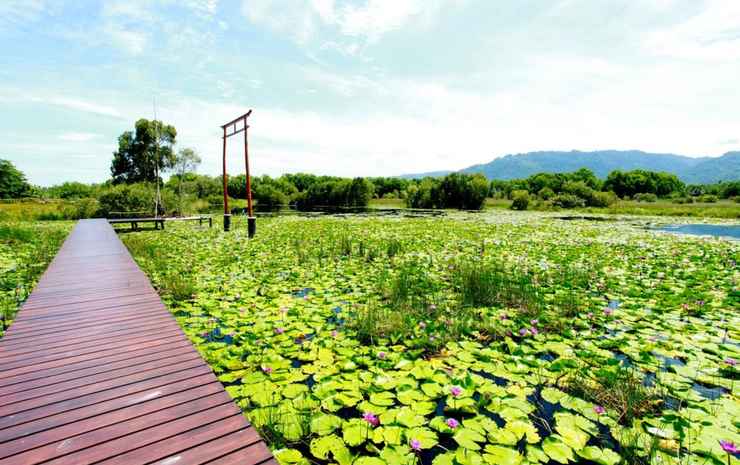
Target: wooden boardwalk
(96, 370)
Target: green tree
(144, 153)
(13, 182)
(186, 161)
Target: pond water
(716, 230)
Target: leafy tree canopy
(13, 182)
(144, 153)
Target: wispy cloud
(80, 105)
(78, 136)
(711, 35)
(16, 12)
(368, 21)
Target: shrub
(601, 199)
(708, 199)
(568, 201)
(546, 193)
(645, 197)
(520, 200)
(83, 208)
(683, 200)
(133, 198)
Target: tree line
(147, 154)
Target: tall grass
(492, 284)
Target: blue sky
(366, 87)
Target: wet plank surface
(96, 370)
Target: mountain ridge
(692, 170)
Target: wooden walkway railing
(96, 370)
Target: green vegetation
(498, 338)
(13, 182)
(25, 251)
(461, 191)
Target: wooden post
(227, 215)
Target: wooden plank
(96, 370)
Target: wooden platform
(96, 370)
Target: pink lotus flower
(523, 332)
(731, 361)
(599, 410)
(729, 447)
(371, 418)
(608, 311)
(334, 333)
(455, 391)
(534, 331)
(590, 315)
(381, 355)
(279, 330)
(415, 445)
(452, 423)
(266, 370)
(534, 322)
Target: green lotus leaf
(536, 455)
(425, 436)
(323, 446)
(503, 436)
(325, 424)
(600, 456)
(575, 438)
(356, 431)
(498, 455)
(382, 398)
(556, 449)
(552, 395)
(289, 457)
(432, 390)
(465, 456)
(468, 438)
(423, 407)
(292, 391)
(448, 458)
(369, 461)
(306, 402)
(524, 428)
(392, 435)
(407, 417)
(396, 455)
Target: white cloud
(128, 24)
(79, 105)
(711, 35)
(369, 20)
(16, 12)
(78, 136)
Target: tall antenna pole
(156, 158)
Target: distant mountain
(689, 169)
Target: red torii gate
(234, 129)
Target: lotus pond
(506, 338)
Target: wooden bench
(159, 222)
